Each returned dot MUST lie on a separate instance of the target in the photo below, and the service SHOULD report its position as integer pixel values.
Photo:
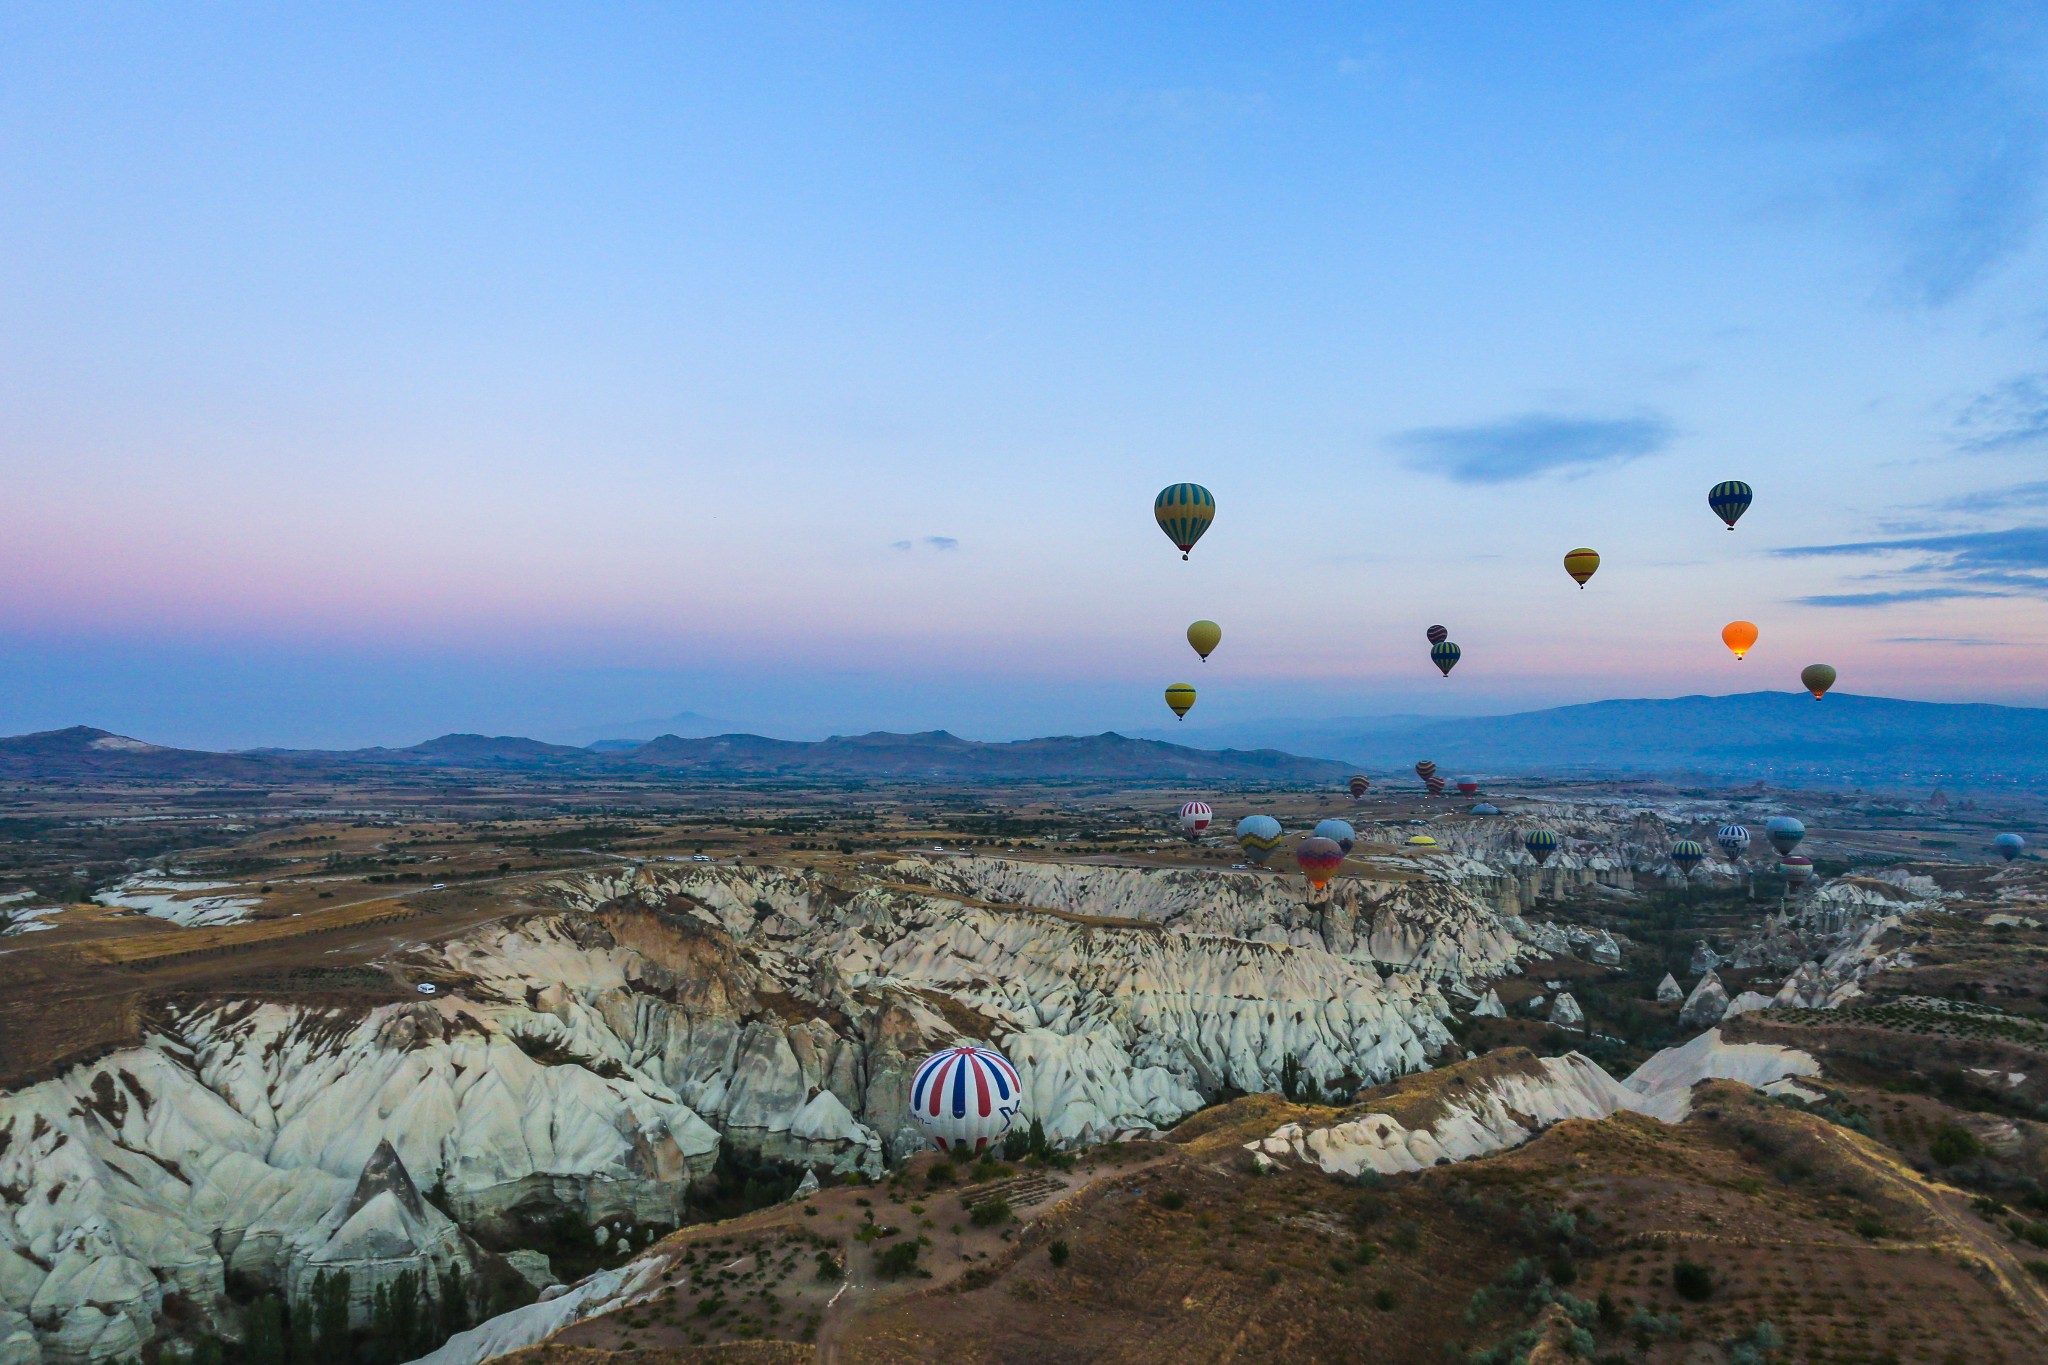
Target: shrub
(1057, 1253)
(1406, 1239)
(1953, 1145)
(990, 1212)
(1871, 1226)
(898, 1261)
(1171, 1200)
(1384, 1300)
(2038, 1269)
(1692, 1281)
(941, 1173)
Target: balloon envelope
(1688, 854)
(1338, 832)
(1486, 808)
(1258, 835)
(1424, 767)
(1784, 832)
(1541, 843)
(1730, 500)
(1360, 784)
(965, 1098)
(2009, 846)
(1739, 636)
(1184, 511)
(1421, 841)
(1581, 563)
(1817, 679)
(1319, 858)
(1195, 817)
(1798, 870)
(1733, 839)
(1445, 656)
(1205, 636)
(1181, 697)
(1437, 635)
(1468, 786)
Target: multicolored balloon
(1688, 854)
(1360, 785)
(1541, 843)
(1184, 511)
(1195, 817)
(1798, 871)
(1733, 839)
(1258, 836)
(1319, 858)
(2008, 846)
(1739, 636)
(1424, 769)
(1730, 500)
(1338, 832)
(1784, 832)
(1486, 808)
(1437, 634)
(1468, 786)
(1817, 679)
(1205, 636)
(1181, 697)
(965, 1098)
(1435, 784)
(1581, 565)
(1445, 656)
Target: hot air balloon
(1437, 635)
(1319, 859)
(1421, 841)
(1688, 854)
(1541, 843)
(1424, 769)
(1817, 679)
(1468, 786)
(2008, 846)
(1486, 808)
(1784, 832)
(1181, 698)
(1360, 785)
(1733, 839)
(1184, 511)
(1798, 871)
(1445, 656)
(965, 1098)
(1205, 636)
(1739, 636)
(1194, 818)
(1580, 564)
(1435, 784)
(1258, 835)
(1729, 500)
(1338, 832)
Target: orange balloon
(1739, 636)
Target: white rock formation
(1490, 1007)
(1669, 991)
(1565, 1012)
(1509, 1102)
(1705, 1006)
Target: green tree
(300, 1325)
(453, 1306)
(1038, 1144)
(264, 1340)
(330, 1318)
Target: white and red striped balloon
(966, 1098)
(1195, 817)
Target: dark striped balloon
(1687, 853)
(1360, 785)
(1424, 768)
(1437, 635)
(1730, 500)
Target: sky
(374, 371)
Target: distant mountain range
(1843, 739)
(83, 752)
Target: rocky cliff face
(596, 1057)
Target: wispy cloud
(1966, 640)
(942, 542)
(1534, 443)
(1938, 105)
(899, 545)
(2011, 417)
(2007, 563)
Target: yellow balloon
(1181, 698)
(1581, 563)
(1205, 636)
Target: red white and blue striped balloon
(965, 1097)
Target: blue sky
(370, 372)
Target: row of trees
(409, 1317)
